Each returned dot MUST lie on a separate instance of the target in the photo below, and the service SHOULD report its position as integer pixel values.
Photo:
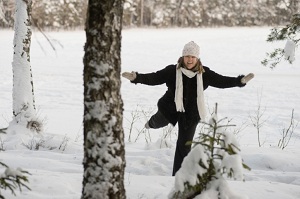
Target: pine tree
(214, 156)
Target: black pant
(186, 131)
(158, 120)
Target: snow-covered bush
(213, 157)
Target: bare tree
(287, 133)
(257, 119)
(104, 160)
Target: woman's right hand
(247, 78)
(131, 76)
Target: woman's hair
(198, 67)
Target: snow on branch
(12, 179)
(290, 34)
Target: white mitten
(131, 76)
(247, 78)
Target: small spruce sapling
(214, 156)
(12, 179)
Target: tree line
(70, 14)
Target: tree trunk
(2, 14)
(177, 15)
(142, 13)
(23, 95)
(104, 155)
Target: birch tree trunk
(23, 95)
(104, 160)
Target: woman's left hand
(131, 76)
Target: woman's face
(190, 61)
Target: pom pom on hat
(191, 49)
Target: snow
(56, 167)
(191, 169)
(225, 191)
(289, 50)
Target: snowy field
(56, 168)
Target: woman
(183, 102)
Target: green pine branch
(289, 32)
(13, 180)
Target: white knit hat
(191, 49)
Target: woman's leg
(186, 131)
(157, 120)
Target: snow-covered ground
(56, 169)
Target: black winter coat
(166, 103)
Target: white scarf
(179, 91)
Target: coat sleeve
(219, 81)
(155, 78)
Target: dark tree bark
(104, 155)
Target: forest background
(71, 14)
